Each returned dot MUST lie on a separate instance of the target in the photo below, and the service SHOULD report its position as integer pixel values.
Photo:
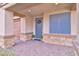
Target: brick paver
(39, 48)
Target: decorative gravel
(39, 48)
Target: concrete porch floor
(39, 48)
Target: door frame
(35, 25)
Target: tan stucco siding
(6, 22)
(29, 24)
(26, 24)
(73, 22)
(9, 23)
(2, 21)
(45, 23)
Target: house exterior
(48, 22)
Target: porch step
(37, 39)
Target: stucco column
(23, 25)
(25, 35)
(45, 23)
(6, 29)
(45, 27)
(77, 12)
(76, 41)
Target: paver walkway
(39, 48)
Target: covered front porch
(37, 22)
(48, 22)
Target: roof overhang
(6, 5)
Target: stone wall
(26, 36)
(59, 39)
(7, 41)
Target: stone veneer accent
(26, 36)
(7, 41)
(76, 47)
(59, 39)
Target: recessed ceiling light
(29, 10)
(56, 3)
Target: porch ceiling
(35, 9)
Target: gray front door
(38, 28)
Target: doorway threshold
(37, 39)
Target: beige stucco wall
(23, 24)
(77, 9)
(2, 22)
(7, 38)
(26, 28)
(45, 23)
(29, 24)
(6, 22)
(26, 24)
(73, 21)
(9, 23)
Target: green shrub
(42, 36)
(33, 36)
